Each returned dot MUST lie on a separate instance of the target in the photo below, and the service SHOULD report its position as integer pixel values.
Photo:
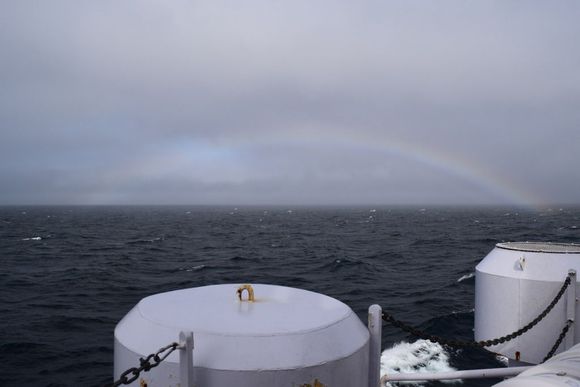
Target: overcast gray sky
(289, 102)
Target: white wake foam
(420, 356)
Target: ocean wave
(146, 241)
(417, 357)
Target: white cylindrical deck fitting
(513, 285)
(286, 337)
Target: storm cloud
(295, 102)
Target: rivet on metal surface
(250, 290)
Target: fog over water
(263, 102)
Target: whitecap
(192, 268)
(417, 357)
(463, 311)
(466, 277)
(37, 238)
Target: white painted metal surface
(186, 359)
(562, 370)
(571, 301)
(514, 283)
(453, 375)
(287, 337)
(375, 326)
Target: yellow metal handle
(250, 292)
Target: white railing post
(186, 358)
(571, 309)
(467, 374)
(375, 330)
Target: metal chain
(560, 339)
(146, 364)
(484, 343)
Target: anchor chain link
(151, 361)
(483, 343)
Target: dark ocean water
(69, 274)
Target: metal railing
(467, 374)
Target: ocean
(69, 274)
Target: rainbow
(187, 159)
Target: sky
(290, 102)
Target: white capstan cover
(513, 284)
(283, 329)
(562, 370)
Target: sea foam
(417, 357)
